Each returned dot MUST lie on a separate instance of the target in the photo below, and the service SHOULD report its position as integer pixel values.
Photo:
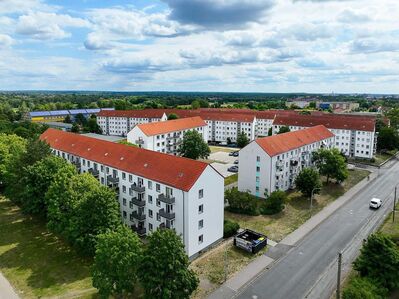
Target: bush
(241, 202)
(274, 203)
(230, 228)
(364, 288)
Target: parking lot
(224, 161)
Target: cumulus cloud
(41, 25)
(351, 16)
(24, 6)
(5, 40)
(218, 13)
(374, 46)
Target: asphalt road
(306, 270)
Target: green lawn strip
(37, 263)
(231, 179)
(215, 149)
(297, 210)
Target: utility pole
(339, 275)
(394, 206)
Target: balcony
(77, 164)
(138, 202)
(111, 180)
(294, 162)
(166, 225)
(94, 172)
(138, 188)
(141, 231)
(138, 216)
(170, 200)
(167, 215)
(139, 141)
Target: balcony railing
(138, 216)
(140, 231)
(166, 225)
(111, 180)
(138, 188)
(138, 202)
(167, 215)
(166, 199)
(94, 172)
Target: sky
(315, 46)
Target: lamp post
(311, 199)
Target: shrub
(274, 203)
(241, 202)
(230, 228)
(364, 288)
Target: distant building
(272, 163)
(59, 115)
(166, 136)
(339, 106)
(154, 190)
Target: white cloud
(24, 6)
(41, 25)
(5, 40)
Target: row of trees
(86, 214)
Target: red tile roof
(278, 144)
(146, 113)
(156, 128)
(170, 170)
(334, 121)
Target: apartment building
(59, 115)
(272, 163)
(354, 135)
(166, 136)
(154, 190)
(120, 122)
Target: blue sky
(200, 45)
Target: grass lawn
(215, 149)
(36, 262)
(297, 211)
(379, 158)
(392, 228)
(231, 179)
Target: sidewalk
(264, 262)
(6, 290)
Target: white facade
(221, 130)
(352, 143)
(260, 173)
(197, 215)
(165, 143)
(121, 125)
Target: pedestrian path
(264, 262)
(6, 290)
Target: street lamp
(311, 199)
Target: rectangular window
(201, 193)
(158, 203)
(200, 224)
(150, 185)
(257, 159)
(257, 169)
(149, 199)
(124, 189)
(158, 187)
(130, 178)
(124, 201)
(200, 239)
(158, 217)
(150, 226)
(150, 213)
(200, 209)
(123, 175)
(124, 214)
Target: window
(257, 168)
(131, 204)
(149, 198)
(257, 159)
(124, 189)
(200, 224)
(124, 214)
(124, 201)
(150, 226)
(130, 178)
(200, 209)
(200, 239)
(201, 193)
(150, 185)
(102, 180)
(123, 175)
(150, 213)
(257, 179)
(158, 217)
(158, 187)
(158, 203)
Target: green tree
(284, 129)
(80, 119)
(379, 260)
(195, 104)
(388, 139)
(172, 116)
(193, 146)
(312, 105)
(164, 271)
(36, 181)
(393, 116)
(307, 181)
(364, 288)
(331, 164)
(230, 228)
(117, 257)
(241, 202)
(92, 126)
(242, 140)
(274, 203)
(11, 149)
(68, 119)
(204, 103)
(270, 132)
(75, 128)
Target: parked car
(235, 154)
(231, 153)
(375, 203)
(236, 162)
(233, 169)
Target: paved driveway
(227, 162)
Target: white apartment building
(272, 163)
(354, 136)
(166, 136)
(154, 190)
(120, 122)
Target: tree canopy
(284, 129)
(388, 139)
(242, 139)
(164, 271)
(331, 164)
(193, 146)
(307, 181)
